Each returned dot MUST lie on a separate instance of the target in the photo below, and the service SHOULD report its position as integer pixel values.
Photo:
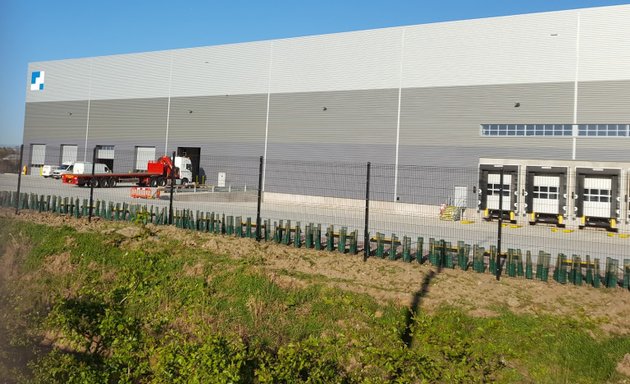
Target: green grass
(162, 311)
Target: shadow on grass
(407, 336)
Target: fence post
(258, 220)
(498, 266)
(92, 182)
(366, 234)
(170, 203)
(19, 185)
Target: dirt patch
(59, 264)
(623, 366)
(387, 281)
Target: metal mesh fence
(442, 215)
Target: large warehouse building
(538, 86)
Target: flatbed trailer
(158, 174)
(109, 180)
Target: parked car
(47, 170)
(61, 170)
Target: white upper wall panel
(221, 70)
(604, 44)
(130, 76)
(532, 48)
(343, 61)
(63, 80)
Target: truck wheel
(102, 183)
(93, 183)
(161, 181)
(111, 182)
(153, 182)
(184, 181)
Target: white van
(84, 168)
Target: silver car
(61, 170)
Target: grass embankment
(136, 305)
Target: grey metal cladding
(358, 117)
(54, 123)
(218, 119)
(452, 115)
(132, 121)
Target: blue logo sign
(37, 81)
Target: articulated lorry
(158, 173)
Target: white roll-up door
(105, 152)
(69, 154)
(38, 155)
(143, 156)
(494, 191)
(597, 197)
(546, 194)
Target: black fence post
(19, 185)
(258, 219)
(500, 225)
(92, 182)
(170, 204)
(366, 233)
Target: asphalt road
(590, 241)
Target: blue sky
(52, 30)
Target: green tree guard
(330, 238)
(511, 263)
(406, 251)
(519, 263)
(393, 245)
(341, 246)
(317, 236)
(577, 268)
(596, 275)
(611, 272)
(277, 231)
(492, 264)
(446, 255)
(248, 227)
(297, 237)
(528, 266)
(433, 252)
(380, 245)
(308, 236)
(461, 261)
(238, 226)
(286, 238)
(626, 274)
(420, 250)
(353, 242)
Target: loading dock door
(105, 155)
(546, 194)
(494, 188)
(38, 158)
(597, 197)
(68, 154)
(143, 156)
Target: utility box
(460, 197)
(221, 180)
